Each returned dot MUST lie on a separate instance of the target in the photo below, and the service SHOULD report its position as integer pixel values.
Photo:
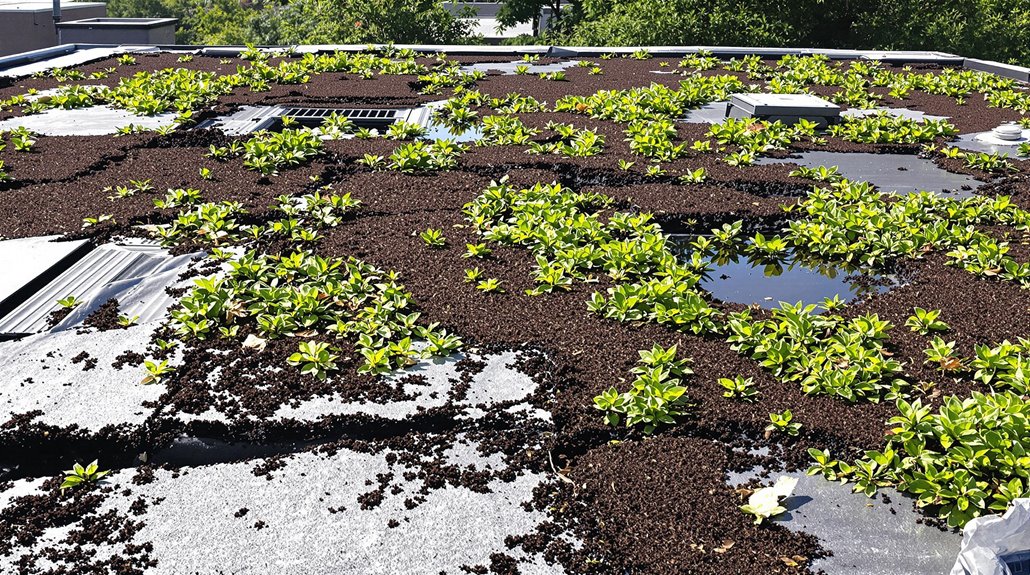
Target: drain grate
(250, 119)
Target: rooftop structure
(29, 24)
(424, 309)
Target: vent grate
(353, 114)
(249, 119)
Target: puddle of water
(508, 68)
(973, 142)
(736, 278)
(436, 131)
(897, 112)
(92, 121)
(902, 173)
(711, 113)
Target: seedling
(782, 423)
(654, 171)
(943, 354)
(490, 285)
(126, 321)
(315, 358)
(156, 372)
(372, 161)
(126, 60)
(697, 176)
(90, 222)
(925, 321)
(433, 237)
(69, 302)
(206, 174)
(476, 251)
(79, 475)
(739, 387)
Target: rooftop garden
(678, 302)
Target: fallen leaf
(254, 342)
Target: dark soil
(657, 505)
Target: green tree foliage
(685, 23)
(304, 21)
(993, 29)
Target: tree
(282, 22)
(685, 23)
(564, 14)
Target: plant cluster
(966, 459)
(851, 222)
(421, 156)
(302, 294)
(571, 142)
(655, 396)
(885, 128)
(824, 353)
(571, 242)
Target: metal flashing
(1019, 73)
(29, 263)
(108, 271)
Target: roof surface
(365, 347)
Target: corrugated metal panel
(28, 263)
(112, 270)
(245, 120)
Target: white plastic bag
(988, 542)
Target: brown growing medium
(650, 504)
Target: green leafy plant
(69, 302)
(156, 371)
(473, 275)
(489, 285)
(127, 321)
(739, 388)
(79, 475)
(90, 222)
(943, 354)
(697, 176)
(433, 237)
(314, 358)
(783, 423)
(960, 462)
(925, 321)
(655, 396)
(476, 251)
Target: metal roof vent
(1007, 134)
(787, 108)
